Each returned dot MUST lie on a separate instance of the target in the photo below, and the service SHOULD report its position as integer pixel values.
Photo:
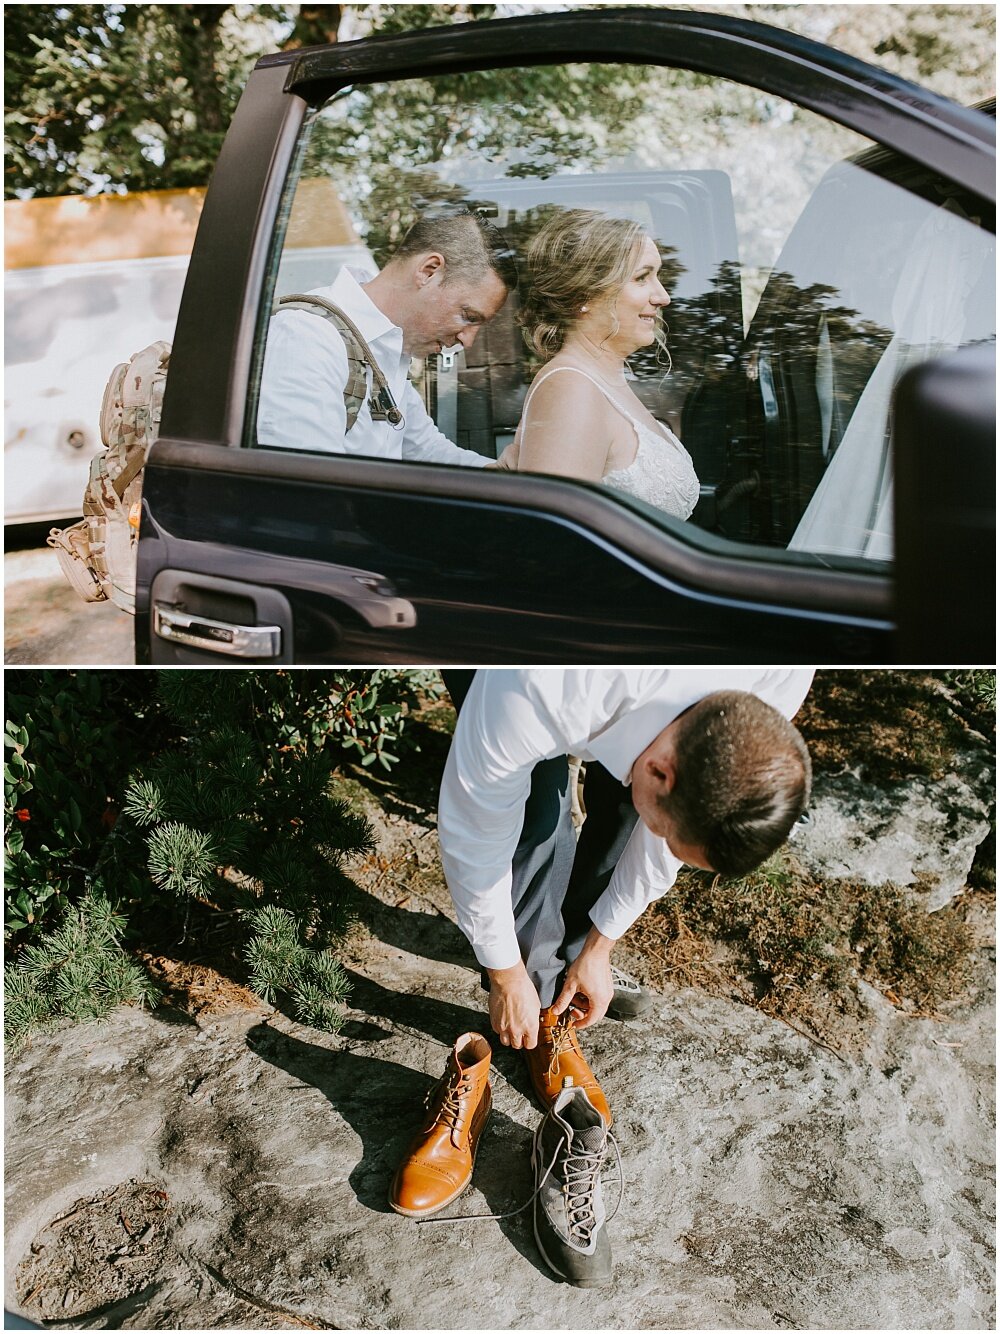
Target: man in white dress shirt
(449, 276)
(683, 765)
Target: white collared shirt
(302, 386)
(512, 719)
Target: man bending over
(683, 765)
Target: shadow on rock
(170, 1014)
(441, 1020)
(383, 1103)
(431, 935)
(374, 1097)
(411, 791)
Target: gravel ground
(47, 624)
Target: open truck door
(794, 194)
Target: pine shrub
(79, 971)
(148, 791)
(282, 967)
(239, 809)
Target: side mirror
(944, 459)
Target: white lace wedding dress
(661, 474)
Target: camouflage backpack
(98, 554)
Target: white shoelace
(580, 1181)
(592, 1173)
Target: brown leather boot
(437, 1166)
(559, 1055)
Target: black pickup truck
(827, 232)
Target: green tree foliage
(238, 810)
(282, 966)
(78, 971)
(313, 25)
(118, 97)
(114, 98)
(110, 98)
(949, 48)
(240, 796)
(394, 150)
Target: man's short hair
(742, 780)
(470, 243)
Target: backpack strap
(128, 474)
(359, 355)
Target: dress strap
(587, 376)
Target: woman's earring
(583, 310)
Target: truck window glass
(806, 266)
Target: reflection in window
(806, 269)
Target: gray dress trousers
(557, 878)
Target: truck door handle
(235, 641)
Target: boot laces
(563, 1040)
(591, 1173)
(449, 1111)
(623, 982)
(581, 1171)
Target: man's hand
(514, 1006)
(507, 462)
(588, 986)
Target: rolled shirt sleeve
(424, 443)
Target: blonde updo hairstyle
(577, 257)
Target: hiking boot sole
(629, 1007)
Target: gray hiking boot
(631, 997)
(567, 1154)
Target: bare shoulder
(561, 394)
(568, 425)
(561, 381)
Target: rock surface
(768, 1182)
(921, 834)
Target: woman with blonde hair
(594, 297)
